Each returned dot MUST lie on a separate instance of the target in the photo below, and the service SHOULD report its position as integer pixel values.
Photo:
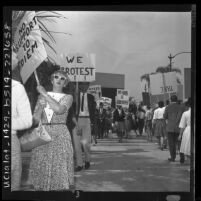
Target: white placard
(96, 91)
(123, 94)
(163, 83)
(80, 67)
(28, 41)
(106, 102)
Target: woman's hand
(179, 138)
(79, 131)
(41, 90)
(42, 101)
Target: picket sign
(122, 98)
(161, 83)
(80, 67)
(29, 45)
(107, 102)
(96, 91)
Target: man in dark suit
(173, 114)
(118, 119)
(85, 113)
(101, 114)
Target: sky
(130, 43)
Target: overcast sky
(130, 43)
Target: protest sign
(96, 91)
(80, 67)
(123, 94)
(163, 83)
(123, 103)
(122, 98)
(29, 45)
(106, 102)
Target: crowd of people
(75, 125)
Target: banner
(163, 83)
(96, 91)
(107, 102)
(79, 67)
(28, 41)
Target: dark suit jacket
(101, 116)
(91, 107)
(173, 114)
(117, 116)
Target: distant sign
(29, 45)
(79, 67)
(123, 94)
(121, 102)
(106, 102)
(122, 98)
(96, 91)
(163, 83)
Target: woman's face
(59, 80)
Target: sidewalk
(135, 165)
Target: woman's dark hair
(188, 102)
(173, 98)
(167, 102)
(161, 104)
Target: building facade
(109, 82)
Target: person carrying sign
(118, 119)
(51, 165)
(21, 119)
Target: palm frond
(46, 42)
(51, 59)
(44, 28)
(57, 15)
(178, 80)
(16, 18)
(145, 77)
(166, 69)
(177, 70)
(59, 32)
(42, 18)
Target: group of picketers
(73, 124)
(168, 123)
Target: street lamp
(172, 57)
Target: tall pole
(170, 57)
(76, 97)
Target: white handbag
(34, 138)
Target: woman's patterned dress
(51, 166)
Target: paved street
(134, 165)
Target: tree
(161, 69)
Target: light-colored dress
(185, 122)
(160, 124)
(51, 166)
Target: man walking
(119, 121)
(101, 120)
(86, 115)
(173, 115)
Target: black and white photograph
(98, 102)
